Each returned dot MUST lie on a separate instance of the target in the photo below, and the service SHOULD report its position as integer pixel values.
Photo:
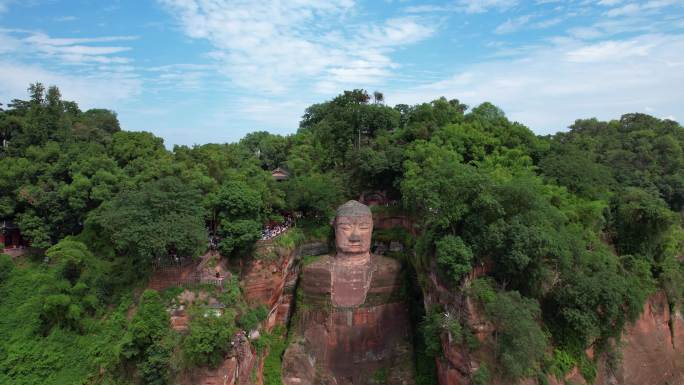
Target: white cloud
(182, 76)
(609, 3)
(614, 50)
(548, 23)
(64, 50)
(103, 89)
(479, 6)
(43, 39)
(637, 23)
(512, 25)
(101, 78)
(629, 9)
(396, 31)
(8, 43)
(66, 18)
(550, 87)
(641, 8)
(427, 8)
(272, 46)
(4, 5)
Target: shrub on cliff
(250, 319)
(208, 338)
(454, 257)
(519, 341)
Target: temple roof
(280, 174)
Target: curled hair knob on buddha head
(353, 209)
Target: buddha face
(353, 234)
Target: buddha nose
(355, 237)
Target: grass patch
(276, 343)
(291, 238)
(314, 230)
(309, 259)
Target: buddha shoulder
(317, 264)
(386, 265)
(316, 275)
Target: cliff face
(267, 281)
(271, 282)
(652, 350)
(237, 369)
(364, 344)
(370, 343)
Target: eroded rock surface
(652, 349)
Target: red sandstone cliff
(271, 281)
(236, 369)
(652, 349)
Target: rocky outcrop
(237, 369)
(652, 348)
(272, 281)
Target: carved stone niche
(352, 325)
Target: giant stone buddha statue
(352, 324)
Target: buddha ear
(332, 221)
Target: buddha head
(353, 229)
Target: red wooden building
(280, 174)
(10, 235)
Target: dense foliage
(572, 232)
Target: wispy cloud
(104, 88)
(4, 5)
(103, 77)
(270, 46)
(66, 18)
(428, 8)
(478, 6)
(182, 76)
(512, 25)
(552, 85)
(609, 3)
(71, 50)
(637, 8)
(548, 22)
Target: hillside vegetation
(576, 229)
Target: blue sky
(200, 71)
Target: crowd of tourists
(273, 229)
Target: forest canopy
(576, 229)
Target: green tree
(519, 341)
(208, 338)
(144, 342)
(454, 256)
(152, 222)
(315, 195)
(239, 210)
